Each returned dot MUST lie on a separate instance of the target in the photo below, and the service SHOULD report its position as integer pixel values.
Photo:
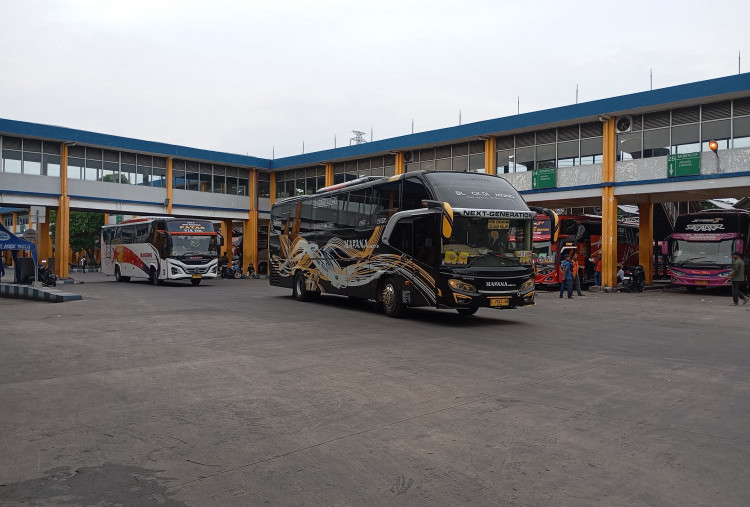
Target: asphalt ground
(233, 393)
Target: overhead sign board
(37, 214)
(544, 178)
(683, 164)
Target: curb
(38, 294)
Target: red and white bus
(554, 236)
(159, 249)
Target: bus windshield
(703, 252)
(189, 244)
(486, 242)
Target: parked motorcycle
(634, 279)
(233, 271)
(47, 277)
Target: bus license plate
(500, 302)
(701, 282)
(197, 276)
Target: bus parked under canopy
(159, 249)
(701, 247)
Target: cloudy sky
(263, 78)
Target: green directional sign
(544, 178)
(683, 164)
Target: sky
(272, 78)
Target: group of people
(570, 275)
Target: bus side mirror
(447, 226)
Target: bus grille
(196, 271)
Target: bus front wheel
(391, 295)
(153, 276)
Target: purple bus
(701, 247)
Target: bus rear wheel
(467, 311)
(391, 296)
(299, 289)
(119, 276)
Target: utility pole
(359, 137)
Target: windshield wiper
(701, 261)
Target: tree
(113, 178)
(85, 227)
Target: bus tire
(391, 296)
(119, 277)
(195, 281)
(467, 311)
(299, 289)
(153, 276)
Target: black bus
(440, 239)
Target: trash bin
(24, 270)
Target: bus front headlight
(527, 285)
(461, 286)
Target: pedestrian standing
(566, 277)
(576, 274)
(737, 276)
(598, 269)
(84, 261)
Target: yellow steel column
(272, 191)
(250, 228)
(400, 164)
(62, 220)
(226, 233)
(250, 241)
(609, 207)
(490, 156)
(329, 174)
(170, 200)
(646, 239)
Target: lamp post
(714, 146)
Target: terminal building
(681, 143)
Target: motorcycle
(634, 279)
(233, 271)
(47, 277)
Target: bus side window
(141, 233)
(385, 202)
(306, 218)
(401, 236)
(413, 192)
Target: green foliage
(85, 227)
(113, 178)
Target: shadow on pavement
(108, 484)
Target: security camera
(604, 117)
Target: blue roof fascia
(64, 134)
(661, 96)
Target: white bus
(159, 249)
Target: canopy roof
(9, 241)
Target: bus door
(417, 237)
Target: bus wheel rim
(389, 295)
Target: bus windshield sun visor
(493, 213)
